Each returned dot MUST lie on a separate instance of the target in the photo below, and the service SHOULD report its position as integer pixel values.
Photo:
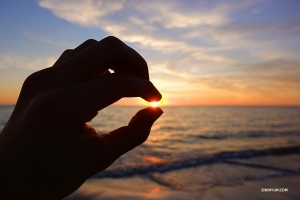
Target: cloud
(16, 61)
(85, 13)
(167, 28)
(237, 49)
(170, 15)
(171, 27)
(141, 22)
(270, 78)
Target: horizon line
(193, 105)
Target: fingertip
(137, 86)
(153, 95)
(146, 117)
(157, 96)
(155, 111)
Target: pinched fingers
(80, 101)
(86, 62)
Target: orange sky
(198, 53)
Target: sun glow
(154, 104)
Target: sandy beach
(229, 179)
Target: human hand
(46, 149)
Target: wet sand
(229, 179)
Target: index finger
(109, 53)
(80, 102)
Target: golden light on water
(153, 160)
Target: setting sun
(162, 102)
(154, 104)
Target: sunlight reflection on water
(187, 132)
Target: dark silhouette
(46, 148)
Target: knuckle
(113, 41)
(90, 41)
(67, 51)
(46, 99)
(46, 104)
(32, 87)
(37, 82)
(31, 79)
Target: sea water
(192, 136)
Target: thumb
(128, 137)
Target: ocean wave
(176, 128)
(248, 134)
(195, 161)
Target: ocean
(190, 136)
(187, 137)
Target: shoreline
(213, 181)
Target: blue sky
(198, 52)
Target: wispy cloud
(237, 48)
(17, 61)
(42, 39)
(139, 22)
(85, 13)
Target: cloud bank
(237, 50)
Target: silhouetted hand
(46, 149)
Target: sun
(154, 104)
